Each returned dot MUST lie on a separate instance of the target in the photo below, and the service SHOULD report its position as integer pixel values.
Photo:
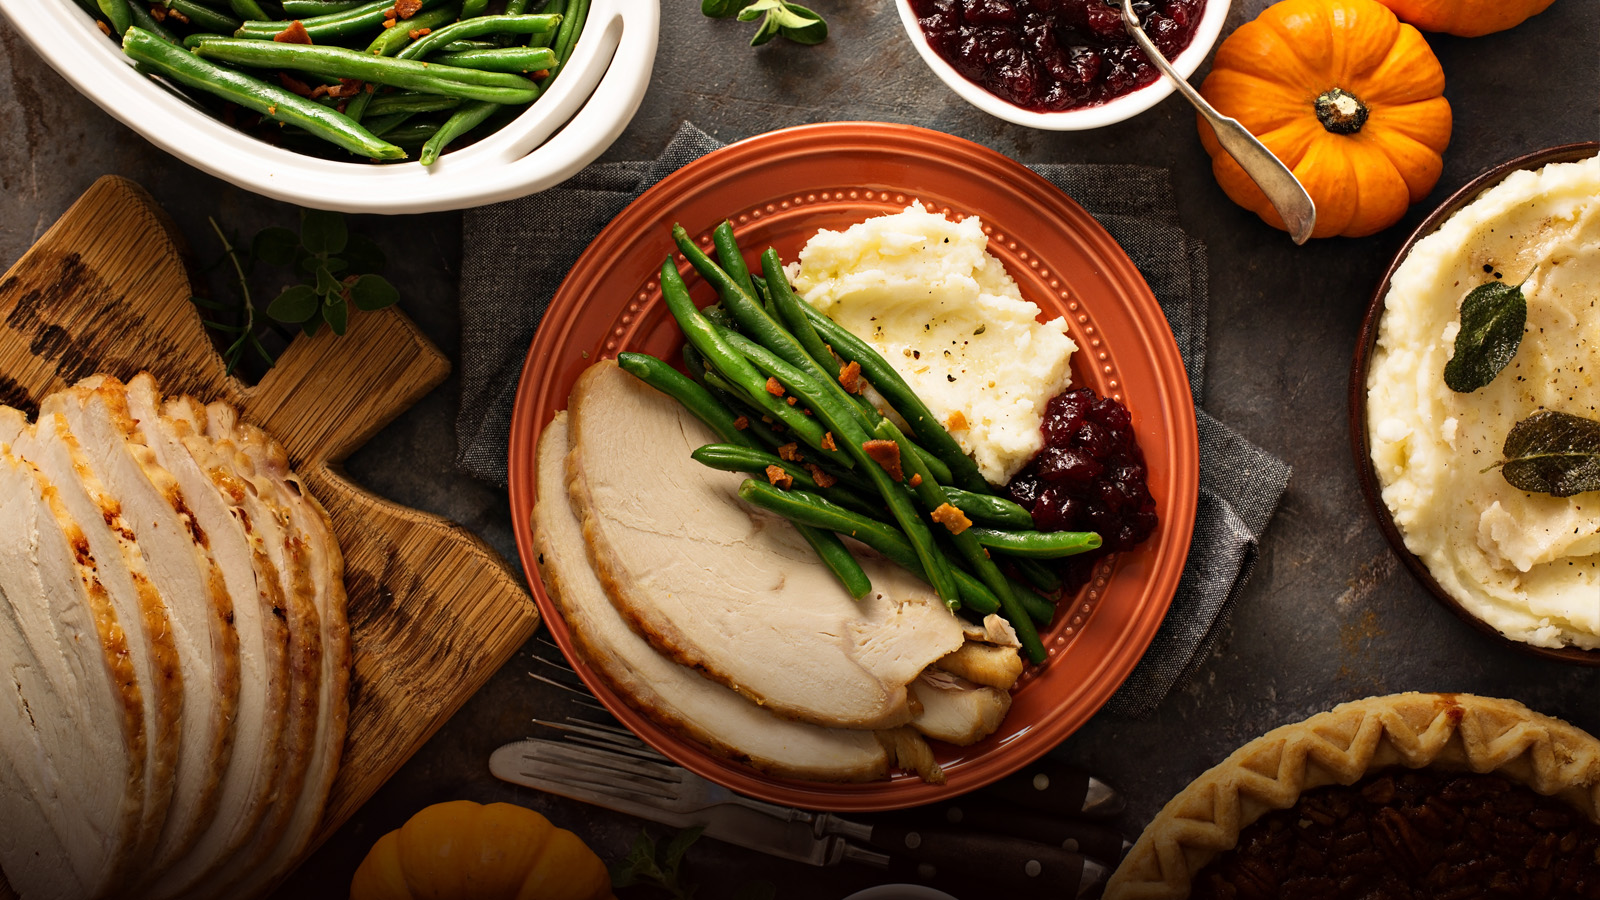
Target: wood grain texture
(433, 610)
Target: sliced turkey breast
(955, 710)
(180, 563)
(717, 585)
(139, 607)
(29, 844)
(78, 743)
(987, 664)
(674, 697)
(307, 524)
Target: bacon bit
(916, 479)
(542, 73)
(158, 12)
(371, 88)
(741, 423)
(420, 32)
(886, 454)
(104, 28)
(178, 15)
(272, 110)
(388, 23)
(778, 478)
(850, 377)
(956, 422)
(827, 441)
(347, 87)
(821, 476)
(294, 34)
(319, 91)
(793, 401)
(951, 518)
(790, 452)
(774, 388)
(407, 8)
(295, 85)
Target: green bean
(392, 40)
(1037, 544)
(409, 102)
(762, 295)
(899, 395)
(567, 39)
(840, 419)
(382, 125)
(693, 397)
(470, 28)
(348, 24)
(202, 17)
(117, 14)
(730, 397)
(837, 558)
(986, 509)
(1036, 573)
(413, 134)
(501, 59)
(471, 9)
(463, 46)
(791, 312)
(468, 84)
(247, 9)
(732, 364)
(731, 458)
(1040, 610)
(303, 9)
(460, 122)
(252, 93)
(143, 19)
(931, 495)
(809, 509)
(731, 258)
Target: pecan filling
(1412, 836)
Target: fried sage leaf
(1492, 319)
(1553, 453)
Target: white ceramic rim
(900, 892)
(610, 66)
(1125, 107)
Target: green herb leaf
(754, 10)
(322, 232)
(788, 17)
(371, 292)
(719, 9)
(672, 853)
(275, 246)
(295, 305)
(363, 255)
(327, 285)
(809, 34)
(1553, 453)
(337, 312)
(1492, 318)
(768, 30)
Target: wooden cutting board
(433, 610)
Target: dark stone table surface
(1330, 614)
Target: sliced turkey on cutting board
(140, 609)
(242, 786)
(74, 734)
(673, 696)
(307, 524)
(720, 586)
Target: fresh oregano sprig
(340, 268)
(793, 21)
(655, 867)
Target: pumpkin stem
(1341, 112)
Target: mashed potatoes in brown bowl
(1525, 564)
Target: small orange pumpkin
(464, 851)
(1347, 96)
(1467, 18)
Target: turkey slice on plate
(718, 585)
(140, 609)
(74, 732)
(309, 526)
(674, 697)
(955, 710)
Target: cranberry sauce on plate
(1053, 55)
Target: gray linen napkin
(516, 257)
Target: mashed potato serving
(927, 295)
(1526, 563)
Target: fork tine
(605, 760)
(579, 778)
(644, 753)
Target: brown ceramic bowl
(1368, 339)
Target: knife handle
(1094, 841)
(1003, 862)
(1056, 789)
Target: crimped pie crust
(1452, 732)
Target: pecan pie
(1409, 796)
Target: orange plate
(778, 189)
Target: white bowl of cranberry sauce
(1059, 65)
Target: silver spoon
(1287, 194)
